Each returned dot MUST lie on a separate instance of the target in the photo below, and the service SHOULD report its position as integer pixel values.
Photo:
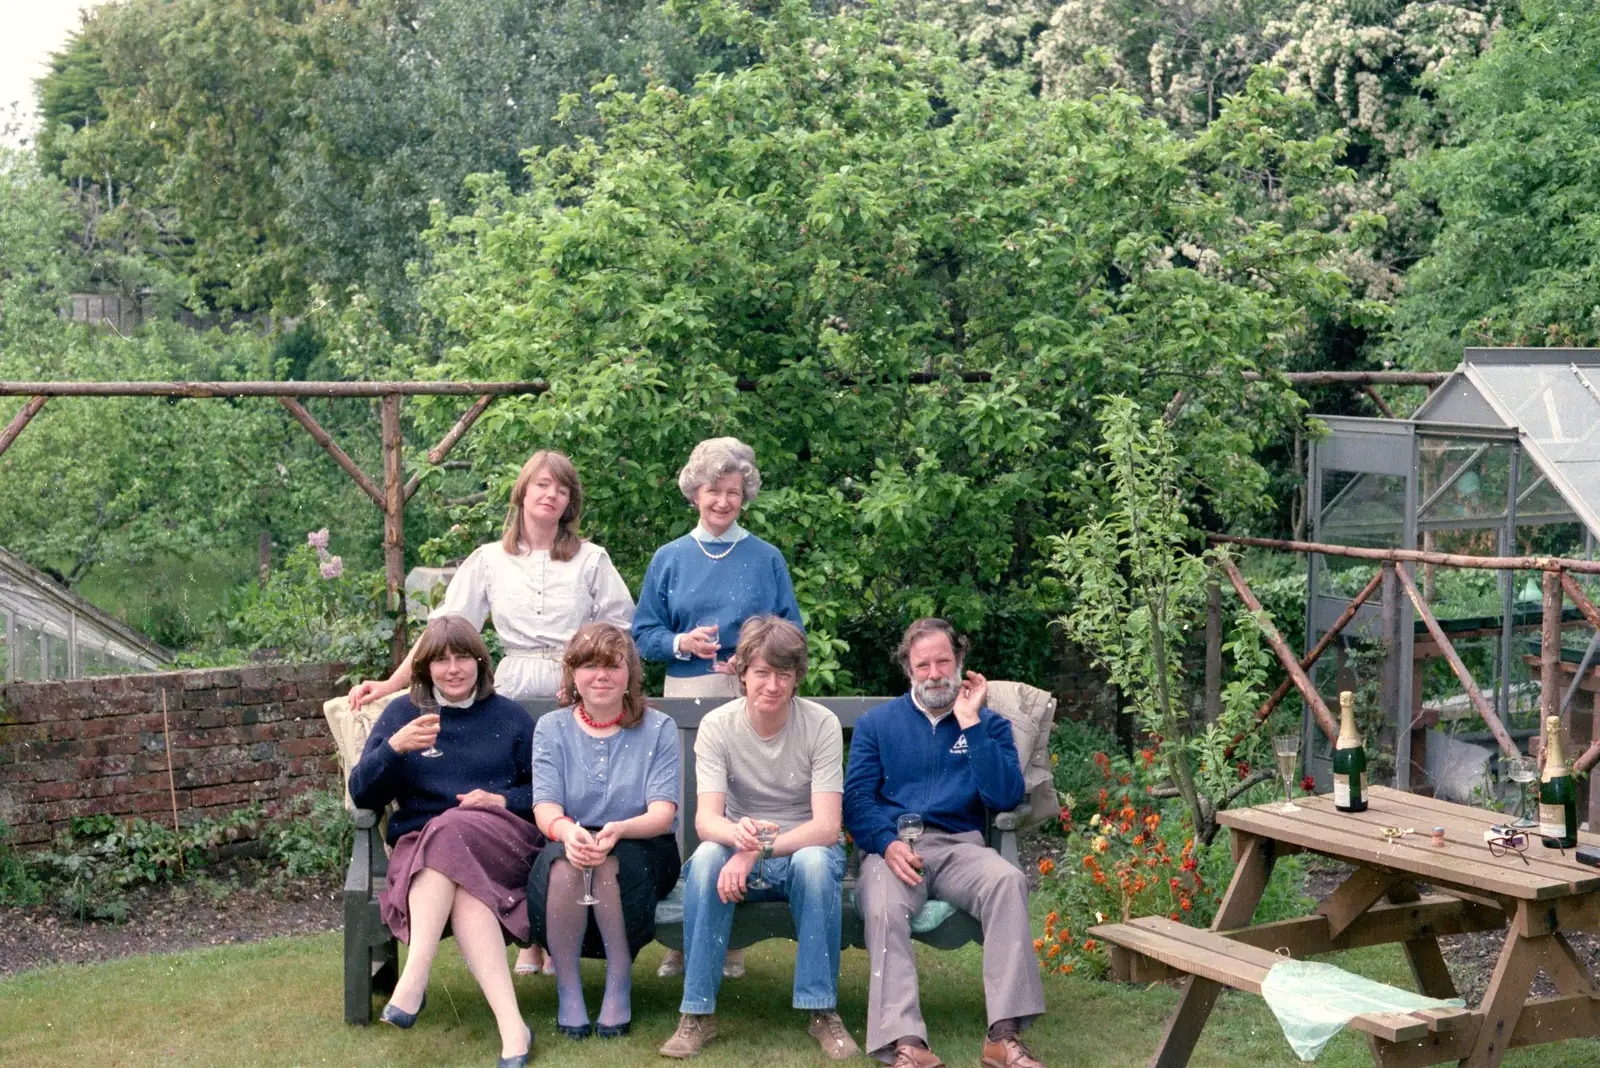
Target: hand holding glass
(710, 623)
(1286, 747)
(588, 897)
(766, 834)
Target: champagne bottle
(1558, 795)
(1349, 760)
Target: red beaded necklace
(596, 724)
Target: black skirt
(647, 870)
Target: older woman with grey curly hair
(700, 588)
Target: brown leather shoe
(832, 1036)
(1009, 1052)
(915, 1057)
(691, 1036)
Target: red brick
(254, 772)
(319, 766)
(139, 784)
(229, 697)
(154, 802)
(299, 747)
(53, 791)
(219, 795)
(64, 730)
(23, 732)
(107, 727)
(96, 768)
(199, 699)
(30, 833)
(123, 744)
(113, 684)
(192, 777)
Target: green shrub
(317, 836)
(17, 884)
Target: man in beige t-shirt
(770, 768)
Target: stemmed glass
(766, 834)
(588, 897)
(1522, 770)
(432, 750)
(909, 828)
(710, 623)
(1286, 747)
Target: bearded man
(940, 754)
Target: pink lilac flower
(332, 567)
(318, 539)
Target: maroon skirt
(486, 851)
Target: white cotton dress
(537, 604)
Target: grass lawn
(279, 1003)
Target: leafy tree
(776, 253)
(69, 96)
(1514, 261)
(35, 224)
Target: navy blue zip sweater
(487, 746)
(899, 762)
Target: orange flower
(1038, 944)
(1052, 919)
(1046, 866)
(1183, 903)
(1055, 950)
(1138, 839)
(1089, 945)
(1066, 969)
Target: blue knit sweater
(488, 746)
(683, 585)
(899, 762)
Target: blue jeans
(810, 880)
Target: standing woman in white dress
(541, 582)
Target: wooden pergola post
(394, 524)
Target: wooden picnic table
(1538, 902)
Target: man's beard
(936, 694)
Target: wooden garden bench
(371, 955)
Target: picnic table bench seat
(1155, 948)
(371, 964)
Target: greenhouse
(1502, 459)
(48, 632)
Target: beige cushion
(1032, 712)
(350, 730)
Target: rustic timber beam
(1310, 658)
(331, 447)
(1416, 556)
(1550, 652)
(1383, 405)
(437, 454)
(20, 421)
(267, 389)
(1280, 647)
(394, 524)
(1356, 378)
(1507, 746)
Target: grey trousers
(960, 869)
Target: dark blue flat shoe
(576, 1033)
(614, 1030)
(520, 1060)
(400, 1018)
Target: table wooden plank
(1504, 998)
(1434, 804)
(1428, 968)
(1353, 897)
(1359, 845)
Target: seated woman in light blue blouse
(605, 794)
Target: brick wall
(238, 735)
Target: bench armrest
(1003, 833)
(369, 863)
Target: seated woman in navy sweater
(457, 761)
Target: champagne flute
(766, 834)
(909, 828)
(588, 897)
(710, 623)
(1286, 747)
(432, 750)
(1522, 770)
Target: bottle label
(1553, 821)
(1341, 791)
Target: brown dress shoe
(832, 1036)
(1009, 1052)
(692, 1034)
(915, 1057)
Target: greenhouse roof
(49, 632)
(1548, 398)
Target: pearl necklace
(584, 715)
(711, 555)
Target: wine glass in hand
(709, 623)
(909, 828)
(433, 750)
(766, 834)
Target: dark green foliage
(1514, 262)
(315, 838)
